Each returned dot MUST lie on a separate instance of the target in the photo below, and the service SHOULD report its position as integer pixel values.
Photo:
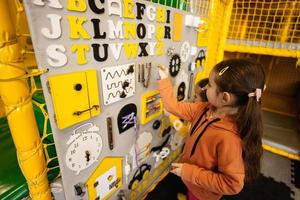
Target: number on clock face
(85, 145)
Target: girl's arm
(228, 180)
(184, 110)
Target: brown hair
(202, 84)
(242, 77)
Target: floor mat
(296, 173)
(264, 188)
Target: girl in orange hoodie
(224, 148)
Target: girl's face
(214, 97)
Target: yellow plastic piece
(281, 152)
(77, 5)
(144, 118)
(131, 49)
(128, 9)
(106, 164)
(76, 27)
(129, 30)
(146, 174)
(202, 33)
(80, 49)
(132, 195)
(181, 196)
(177, 27)
(164, 124)
(159, 48)
(184, 130)
(159, 33)
(160, 14)
(135, 184)
(67, 100)
(16, 97)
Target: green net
(45, 130)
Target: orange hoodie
(212, 155)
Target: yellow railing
(268, 27)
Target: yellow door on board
(75, 97)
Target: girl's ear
(227, 98)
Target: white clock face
(85, 145)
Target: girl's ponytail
(250, 126)
(245, 79)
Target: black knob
(78, 87)
(130, 69)
(125, 84)
(156, 124)
(78, 190)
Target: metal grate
(197, 7)
(265, 23)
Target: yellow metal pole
(212, 39)
(224, 32)
(213, 31)
(216, 37)
(16, 97)
(2, 111)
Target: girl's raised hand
(163, 72)
(176, 168)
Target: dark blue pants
(168, 188)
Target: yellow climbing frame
(16, 97)
(267, 27)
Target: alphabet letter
(80, 49)
(113, 10)
(159, 33)
(115, 31)
(143, 46)
(160, 14)
(151, 30)
(128, 8)
(141, 31)
(56, 56)
(94, 7)
(97, 54)
(140, 7)
(97, 34)
(159, 48)
(130, 49)
(55, 27)
(152, 47)
(129, 29)
(151, 12)
(77, 5)
(52, 3)
(167, 32)
(116, 49)
(76, 27)
(168, 16)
